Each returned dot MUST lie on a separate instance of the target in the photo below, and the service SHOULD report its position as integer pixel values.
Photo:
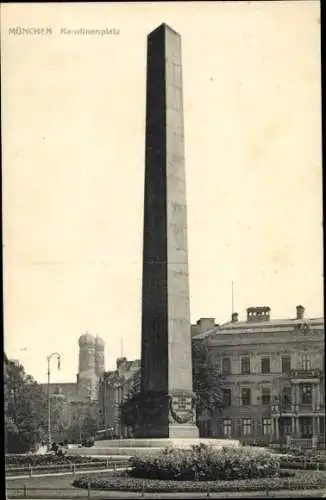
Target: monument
(166, 365)
(167, 412)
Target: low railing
(30, 470)
(67, 493)
(299, 372)
(306, 443)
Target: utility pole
(49, 394)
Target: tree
(25, 408)
(207, 381)
(130, 407)
(60, 421)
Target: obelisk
(167, 408)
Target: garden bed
(205, 463)
(204, 468)
(303, 480)
(15, 461)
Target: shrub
(205, 463)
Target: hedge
(301, 481)
(205, 463)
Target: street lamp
(49, 394)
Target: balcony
(297, 409)
(299, 374)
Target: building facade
(114, 388)
(273, 376)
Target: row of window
(265, 364)
(305, 423)
(305, 396)
(246, 427)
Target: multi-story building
(114, 388)
(273, 375)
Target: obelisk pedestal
(167, 408)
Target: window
(306, 394)
(286, 364)
(267, 426)
(286, 396)
(226, 397)
(306, 427)
(246, 426)
(218, 366)
(245, 364)
(285, 426)
(266, 396)
(246, 396)
(227, 427)
(305, 362)
(226, 366)
(265, 365)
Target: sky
(73, 113)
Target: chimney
(261, 313)
(206, 324)
(121, 361)
(300, 312)
(235, 317)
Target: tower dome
(86, 339)
(99, 341)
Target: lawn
(47, 487)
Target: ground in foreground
(61, 487)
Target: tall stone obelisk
(167, 408)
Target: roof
(129, 371)
(68, 389)
(206, 333)
(259, 326)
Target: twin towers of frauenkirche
(91, 365)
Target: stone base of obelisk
(170, 431)
(132, 447)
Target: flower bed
(302, 462)
(42, 460)
(205, 463)
(300, 481)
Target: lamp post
(49, 394)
